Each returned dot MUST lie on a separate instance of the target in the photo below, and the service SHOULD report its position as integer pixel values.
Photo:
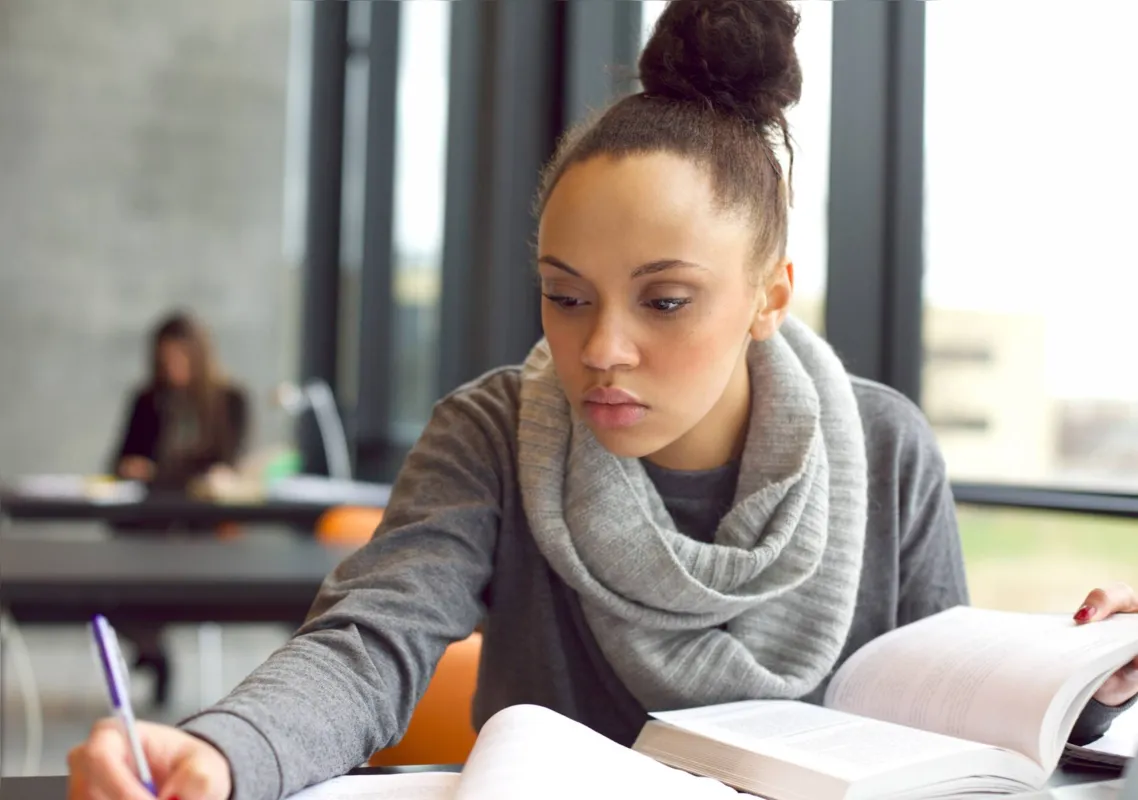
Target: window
(1030, 165)
(419, 80)
(1030, 168)
(1041, 561)
(420, 173)
(810, 128)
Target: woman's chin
(627, 442)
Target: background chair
(348, 525)
(441, 731)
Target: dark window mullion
(873, 294)
(376, 330)
(321, 269)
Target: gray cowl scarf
(762, 612)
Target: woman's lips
(610, 407)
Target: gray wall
(141, 167)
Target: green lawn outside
(996, 533)
(1044, 561)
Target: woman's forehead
(658, 201)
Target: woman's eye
(668, 305)
(564, 301)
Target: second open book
(966, 701)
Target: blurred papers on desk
(319, 489)
(95, 488)
(105, 490)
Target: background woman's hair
(208, 385)
(718, 77)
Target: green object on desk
(282, 466)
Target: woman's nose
(608, 347)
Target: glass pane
(1043, 561)
(420, 177)
(1030, 273)
(810, 128)
(144, 163)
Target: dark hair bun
(735, 55)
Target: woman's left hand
(1100, 604)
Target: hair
(718, 77)
(207, 389)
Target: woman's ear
(773, 302)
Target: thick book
(966, 701)
(531, 753)
(1111, 751)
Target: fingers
(1116, 598)
(100, 769)
(196, 779)
(1119, 687)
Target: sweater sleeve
(932, 576)
(346, 684)
(139, 436)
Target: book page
(832, 742)
(990, 676)
(1114, 748)
(411, 786)
(527, 752)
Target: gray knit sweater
(455, 549)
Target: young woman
(680, 498)
(188, 419)
(186, 423)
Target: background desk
(163, 510)
(164, 580)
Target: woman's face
(650, 301)
(175, 362)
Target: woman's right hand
(183, 766)
(136, 468)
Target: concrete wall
(141, 167)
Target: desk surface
(171, 580)
(50, 787)
(55, 787)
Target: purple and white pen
(114, 670)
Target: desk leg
(210, 666)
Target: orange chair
(348, 525)
(440, 731)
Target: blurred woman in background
(187, 423)
(188, 420)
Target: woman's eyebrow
(557, 262)
(651, 268)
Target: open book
(966, 701)
(1111, 751)
(528, 752)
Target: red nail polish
(1084, 614)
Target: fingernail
(1084, 614)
